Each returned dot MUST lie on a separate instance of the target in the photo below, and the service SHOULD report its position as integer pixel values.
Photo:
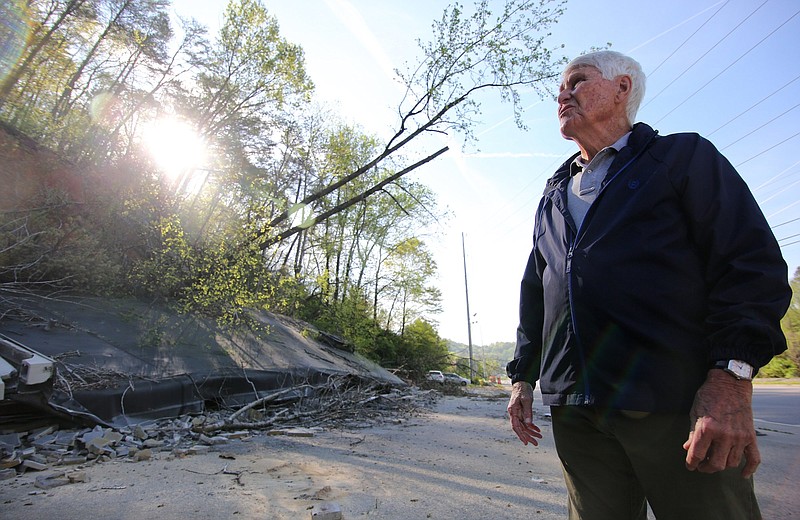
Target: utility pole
(469, 316)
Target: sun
(175, 146)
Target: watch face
(740, 368)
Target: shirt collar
(621, 143)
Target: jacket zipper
(587, 391)
(568, 270)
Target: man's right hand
(520, 410)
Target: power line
(779, 192)
(768, 149)
(704, 54)
(787, 222)
(753, 106)
(687, 39)
(779, 175)
(762, 126)
(662, 33)
(728, 67)
(795, 203)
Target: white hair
(612, 64)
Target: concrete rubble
(61, 455)
(327, 511)
(50, 448)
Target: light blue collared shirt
(585, 184)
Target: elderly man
(652, 295)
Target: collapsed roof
(120, 362)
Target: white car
(450, 377)
(435, 375)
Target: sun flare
(175, 146)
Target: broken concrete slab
(96, 446)
(213, 441)
(96, 433)
(51, 481)
(327, 511)
(295, 432)
(73, 460)
(32, 464)
(9, 442)
(42, 432)
(77, 476)
(139, 433)
(153, 443)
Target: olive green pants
(615, 463)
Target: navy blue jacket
(674, 267)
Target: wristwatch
(736, 368)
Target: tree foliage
(420, 348)
(471, 53)
(787, 364)
(293, 211)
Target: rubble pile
(338, 404)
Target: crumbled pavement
(68, 451)
(450, 460)
(48, 448)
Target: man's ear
(624, 86)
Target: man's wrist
(736, 368)
(721, 377)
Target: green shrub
(780, 366)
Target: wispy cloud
(358, 27)
(506, 119)
(511, 155)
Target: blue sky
(725, 69)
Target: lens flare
(14, 33)
(104, 109)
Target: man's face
(586, 103)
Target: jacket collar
(640, 137)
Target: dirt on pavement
(459, 460)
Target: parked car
(435, 375)
(450, 377)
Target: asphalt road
(776, 409)
(778, 404)
(458, 461)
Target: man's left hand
(722, 430)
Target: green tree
(410, 296)
(421, 349)
(248, 76)
(787, 364)
(47, 23)
(791, 322)
(471, 53)
(296, 212)
(466, 56)
(118, 22)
